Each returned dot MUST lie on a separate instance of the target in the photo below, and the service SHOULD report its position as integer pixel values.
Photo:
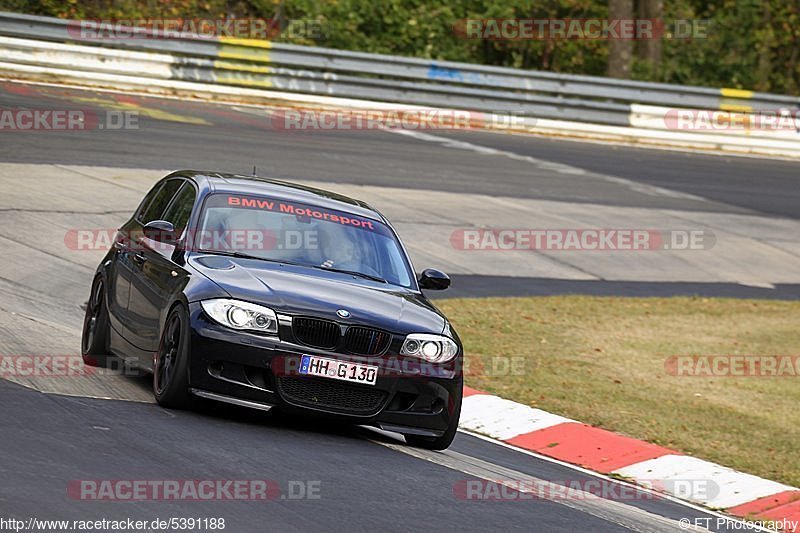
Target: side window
(160, 201)
(180, 209)
(147, 201)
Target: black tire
(171, 363)
(438, 443)
(94, 340)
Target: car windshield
(312, 236)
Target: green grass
(601, 360)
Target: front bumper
(409, 396)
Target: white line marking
(757, 284)
(649, 190)
(613, 511)
(684, 503)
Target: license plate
(334, 369)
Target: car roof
(211, 182)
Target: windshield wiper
(353, 273)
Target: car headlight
(241, 315)
(432, 348)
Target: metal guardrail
(331, 72)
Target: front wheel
(439, 443)
(171, 363)
(94, 340)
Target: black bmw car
(272, 295)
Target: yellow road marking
(736, 107)
(736, 93)
(252, 43)
(245, 49)
(242, 67)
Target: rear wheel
(171, 363)
(94, 341)
(439, 443)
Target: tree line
(747, 44)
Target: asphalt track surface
(358, 483)
(365, 481)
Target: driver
(338, 249)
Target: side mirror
(433, 279)
(160, 231)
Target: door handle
(120, 240)
(139, 258)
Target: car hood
(297, 290)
